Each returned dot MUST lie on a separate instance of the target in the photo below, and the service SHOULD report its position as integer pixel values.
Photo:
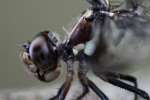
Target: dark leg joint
(83, 80)
(122, 77)
(97, 90)
(129, 88)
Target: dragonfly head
(40, 55)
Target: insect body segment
(81, 32)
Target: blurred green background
(20, 20)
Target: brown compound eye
(43, 54)
(40, 58)
(32, 69)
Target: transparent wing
(121, 43)
(142, 6)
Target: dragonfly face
(40, 55)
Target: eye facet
(40, 57)
(42, 54)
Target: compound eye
(43, 55)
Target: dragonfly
(112, 36)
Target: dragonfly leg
(58, 93)
(97, 90)
(131, 79)
(92, 85)
(83, 81)
(87, 83)
(112, 78)
(61, 94)
(82, 70)
(63, 91)
(126, 78)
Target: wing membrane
(145, 6)
(142, 6)
(127, 40)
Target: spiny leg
(58, 93)
(126, 78)
(97, 90)
(84, 83)
(61, 95)
(113, 80)
(131, 79)
(82, 71)
(129, 88)
(63, 90)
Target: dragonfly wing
(132, 41)
(126, 40)
(141, 6)
(144, 5)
